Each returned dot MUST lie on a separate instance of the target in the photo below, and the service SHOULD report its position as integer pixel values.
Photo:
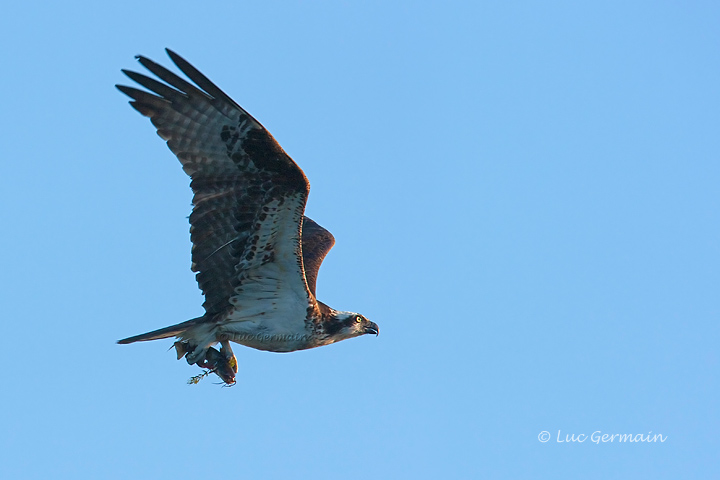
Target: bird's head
(349, 325)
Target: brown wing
(316, 243)
(249, 196)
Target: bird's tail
(166, 332)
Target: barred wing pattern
(249, 195)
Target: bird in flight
(255, 254)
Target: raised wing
(249, 195)
(316, 243)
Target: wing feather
(316, 243)
(249, 195)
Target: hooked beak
(372, 328)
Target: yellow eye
(358, 319)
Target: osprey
(255, 253)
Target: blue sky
(524, 197)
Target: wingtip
(145, 62)
(127, 73)
(176, 59)
(125, 89)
